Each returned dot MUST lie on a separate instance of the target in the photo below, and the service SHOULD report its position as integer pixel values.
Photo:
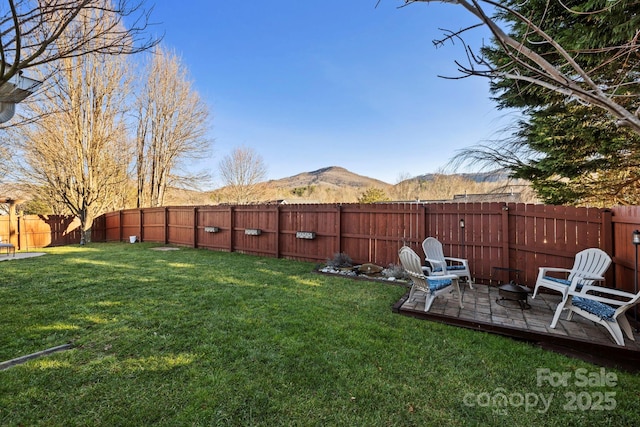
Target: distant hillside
(333, 177)
(492, 176)
(184, 197)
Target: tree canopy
(575, 153)
(572, 69)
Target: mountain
(337, 184)
(333, 177)
(491, 176)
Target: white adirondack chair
(589, 266)
(441, 265)
(431, 286)
(600, 307)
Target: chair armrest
(584, 293)
(435, 264)
(416, 275)
(595, 278)
(423, 276)
(460, 260)
(609, 301)
(577, 279)
(444, 276)
(553, 270)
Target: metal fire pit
(513, 292)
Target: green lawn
(194, 337)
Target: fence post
(232, 226)
(606, 232)
(277, 243)
(338, 244)
(505, 236)
(166, 225)
(606, 241)
(422, 215)
(20, 232)
(195, 226)
(141, 222)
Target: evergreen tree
(571, 152)
(373, 195)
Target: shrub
(340, 260)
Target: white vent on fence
(252, 231)
(309, 235)
(211, 229)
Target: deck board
(578, 338)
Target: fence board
(180, 225)
(262, 218)
(318, 219)
(154, 225)
(112, 226)
(213, 227)
(625, 220)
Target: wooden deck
(484, 311)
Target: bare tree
(405, 188)
(566, 75)
(78, 152)
(34, 33)
(172, 127)
(243, 172)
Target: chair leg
(570, 314)
(428, 301)
(564, 304)
(535, 292)
(614, 330)
(557, 314)
(411, 292)
(457, 286)
(538, 280)
(626, 327)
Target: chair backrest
(412, 264)
(590, 262)
(433, 249)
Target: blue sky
(310, 84)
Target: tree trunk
(85, 236)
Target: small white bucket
(133, 239)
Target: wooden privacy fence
(28, 232)
(502, 241)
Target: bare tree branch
(569, 78)
(172, 126)
(243, 172)
(31, 31)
